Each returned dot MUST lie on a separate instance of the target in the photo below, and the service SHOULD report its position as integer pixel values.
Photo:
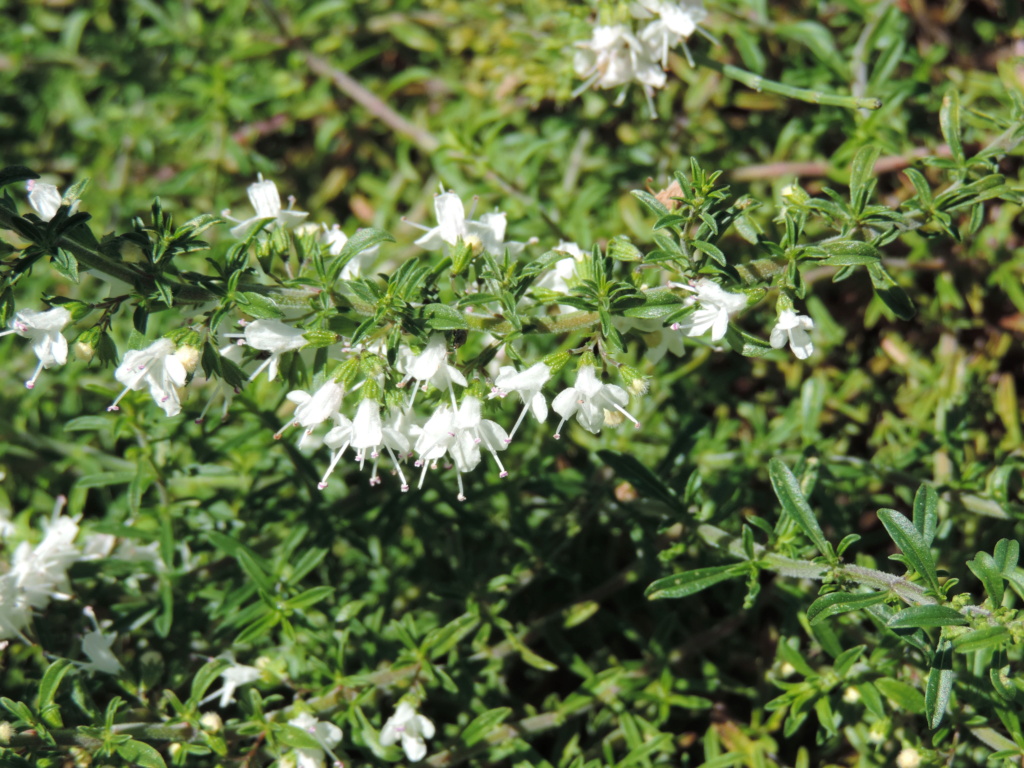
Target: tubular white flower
(793, 328)
(97, 647)
(432, 365)
(234, 677)
(46, 199)
(266, 202)
(714, 306)
(274, 337)
(614, 57)
(589, 400)
(44, 330)
(528, 384)
(313, 410)
(327, 735)
(487, 234)
(409, 727)
(156, 367)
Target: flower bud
(6, 732)
(851, 695)
(211, 722)
(189, 357)
(908, 758)
(635, 381)
(318, 338)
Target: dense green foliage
(790, 563)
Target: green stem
(759, 83)
(72, 737)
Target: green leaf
(940, 683)
(141, 754)
(481, 725)
(949, 122)
(926, 512)
(293, 736)
(984, 567)
(362, 240)
(691, 582)
(652, 203)
(12, 174)
(104, 479)
(912, 544)
(48, 691)
(66, 264)
(621, 249)
(642, 478)
(711, 250)
(844, 662)
(862, 178)
(204, 679)
(442, 317)
(441, 640)
(927, 616)
(841, 602)
(894, 297)
(309, 597)
(259, 306)
(989, 637)
(906, 697)
(788, 491)
(846, 253)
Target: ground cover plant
(538, 384)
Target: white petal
(451, 217)
(566, 402)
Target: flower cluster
(618, 55)
(368, 405)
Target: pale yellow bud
(851, 695)
(786, 669)
(878, 732)
(307, 228)
(908, 758)
(475, 243)
(189, 357)
(84, 351)
(174, 749)
(211, 722)
(613, 418)
(6, 732)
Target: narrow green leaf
(441, 317)
(927, 616)
(362, 240)
(12, 174)
(862, 179)
(926, 512)
(894, 297)
(841, 602)
(940, 683)
(48, 691)
(949, 122)
(642, 478)
(259, 306)
(296, 737)
(204, 679)
(691, 582)
(911, 543)
(651, 202)
(441, 640)
(309, 597)
(845, 253)
(989, 637)
(711, 250)
(984, 567)
(481, 725)
(793, 502)
(906, 697)
(141, 754)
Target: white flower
(591, 402)
(908, 758)
(45, 199)
(487, 234)
(266, 202)
(793, 328)
(563, 270)
(274, 337)
(156, 367)
(528, 383)
(409, 727)
(234, 677)
(44, 330)
(327, 734)
(680, 17)
(313, 410)
(714, 306)
(359, 264)
(432, 365)
(614, 57)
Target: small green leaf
(927, 616)
(651, 202)
(441, 640)
(984, 567)
(12, 174)
(926, 512)
(949, 122)
(841, 602)
(894, 297)
(906, 697)
(309, 597)
(259, 306)
(66, 264)
(691, 582)
(204, 678)
(862, 178)
(845, 253)
(940, 683)
(711, 250)
(787, 489)
(442, 317)
(293, 736)
(141, 754)
(481, 725)
(362, 240)
(912, 544)
(989, 637)
(48, 691)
